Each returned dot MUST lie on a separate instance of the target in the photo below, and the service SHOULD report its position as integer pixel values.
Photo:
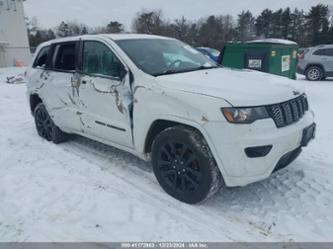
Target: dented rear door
(57, 90)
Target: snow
(253, 88)
(274, 41)
(82, 190)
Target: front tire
(46, 127)
(314, 73)
(184, 166)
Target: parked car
(202, 126)
(316, 63)
(301, 51)
(210, 52)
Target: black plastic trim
(287, 159)
(110, 126)
(259, 151)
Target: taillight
(301, 56)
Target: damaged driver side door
(104, 94)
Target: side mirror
(122, 72)
(41, 67)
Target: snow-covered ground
(86, 191)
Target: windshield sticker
(255, 64)
(285, 63)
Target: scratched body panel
(121, 111)
(104, 105)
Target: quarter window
(98, 59)
(324, 52)
(64, 57)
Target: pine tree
(63, 30)
(317, 24)
(285, 24)
(245, 26)
(84, 30)
(264, 24)
(298, 27)
(115, 27)
(276, 24)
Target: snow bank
(15, 74)
(86, 191)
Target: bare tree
(150, 22)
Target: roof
(133, 36)
(324, 46)
(114, 37)
(274, 41)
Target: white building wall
(13, 32)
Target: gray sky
(100, 12)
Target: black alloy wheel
(46, 127)
(184, 165)
(43, 124)
(180, 167)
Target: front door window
(98, 59)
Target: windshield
(164, 56)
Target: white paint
(193, 98)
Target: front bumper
(229, 141)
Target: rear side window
(98, 59)
(41, 58)
(64, 56)
(324, 52)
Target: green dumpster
(273, 56)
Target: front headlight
(244, 115)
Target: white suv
(202, 126)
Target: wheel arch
(201, 144)
(321, 66)
(34, 100)
(160, 125)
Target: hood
(238, 87)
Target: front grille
(289, 112)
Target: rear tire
(46, 127)
(184, 165)
(314, 73)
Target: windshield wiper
(204, 68)
(166, 72)
(173, 71)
